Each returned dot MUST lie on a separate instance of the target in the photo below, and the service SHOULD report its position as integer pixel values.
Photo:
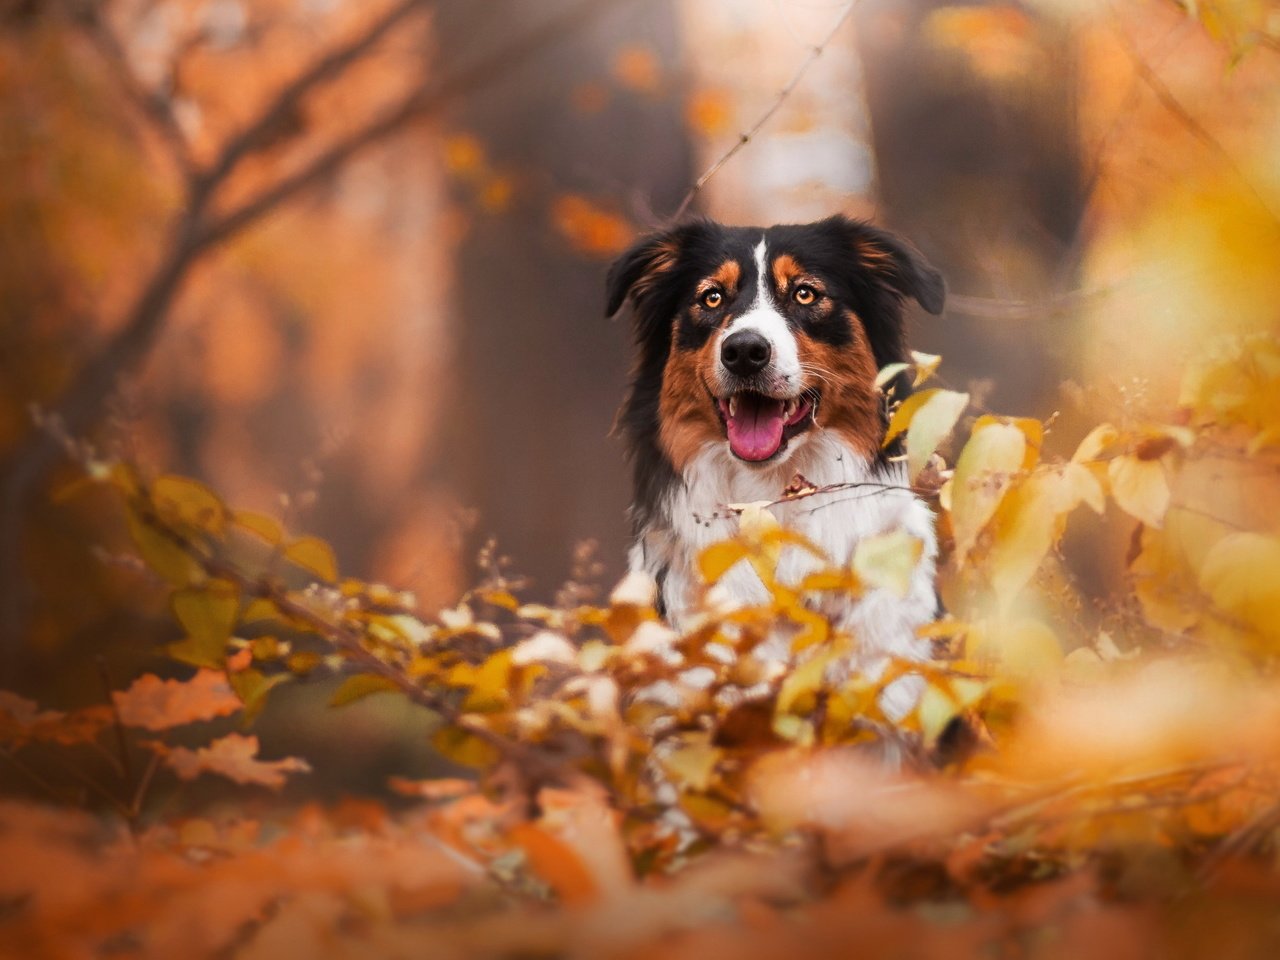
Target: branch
(783, 94)
(152, 105)
(348, 641)
(263, 131)
(81, 405)
(1193, 126)
(413, 106)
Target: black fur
(659, 275)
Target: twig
(154, 106)
(1193, 126)
(264, 130)
(192, 236)
(346, 640)
(124, 763)
(783, 94)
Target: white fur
(763, 317)
(694, 516)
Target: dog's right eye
(711, 299)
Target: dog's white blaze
(764, 318)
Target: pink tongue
(755, 431)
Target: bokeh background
(343, 261)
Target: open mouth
(759, 426)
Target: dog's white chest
(873, 501)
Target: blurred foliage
(621, 766)
(1085, 771)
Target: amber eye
(804, 295)
(711, 299)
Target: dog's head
(752, 336)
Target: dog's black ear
(636, 272)
(901, 266)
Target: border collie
(758, 350)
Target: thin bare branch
(153, 106)
(414, 106)
(743, 139)
(1193, 126)
(264, 130)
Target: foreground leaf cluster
(739, 786)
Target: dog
(758, 351)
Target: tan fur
(850, 403)
(687, 413)
(785, 269)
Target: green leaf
(315, 556)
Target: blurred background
(343, 261)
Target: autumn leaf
(315, 556)
(589, 228)
(1241, 574)
(1140, 488)
(984, 470)
(927, 418)
(235, 757)
(155, 704)
(208, 614)
(888, 560)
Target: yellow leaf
(1098, 442)
(692, 764)
(1026, 526)
(315, 556)
(799, 688)
(930, 426)
(888, 372)
(252, 687)
(187, 501)
(1024, 649)
(266, 527)
(984, 470)
(1241, 574)
(934, 711)
(1140, 488)
(888, 560)
(926, 365)
(360, 686)
(489, 690)
(208, 614)
(465, 748)
(162, 554)
(715, 561)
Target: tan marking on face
(727, 277)
(846, 379)
(785, 270)
(686, 413)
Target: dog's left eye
(804, 295)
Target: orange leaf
(155, 704)
(556, 863)
(235, 757)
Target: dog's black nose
(745, 353)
